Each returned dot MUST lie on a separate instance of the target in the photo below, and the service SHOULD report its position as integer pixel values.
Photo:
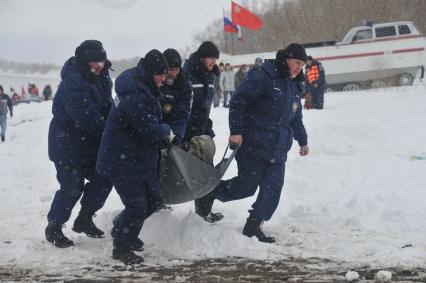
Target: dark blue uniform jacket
(176, 103)
(80, 109)
(134, 132)
(202, 82)
(266, 110)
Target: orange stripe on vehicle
(408, 50)
(350, 56)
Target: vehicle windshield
(363, 35)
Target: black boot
(126, 256)
(54, 235)
(253, 228)
(3, 138)
(203, 207)
(84, 224)
(135, 246)
(213, 217)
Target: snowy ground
(357, 200)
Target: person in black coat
(5, 103)
(80, 109)
(201, 68)
(176, 96)
(47, 92)
(265, 116)
(130, 151)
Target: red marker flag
(243, 17)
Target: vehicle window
(363, 34)
(385, 31)
(404, 29)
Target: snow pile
(352, 276)
(383, 276)
(356, 198)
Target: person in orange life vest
(315, 84)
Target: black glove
(177, 140)
(164, 144)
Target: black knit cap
(295, 51)
(155, 63)
(208, 49)
(173, 58)
(90, 51)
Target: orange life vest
(312, 73)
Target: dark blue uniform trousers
(253, 172)
(71, 179)
(141, 198)
(318, 100)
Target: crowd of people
(8, 101)
(229, 80)
(33, 94)
(98, 142)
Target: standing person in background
(227, 84)
(23, 94)
(130, 151)
(33, 90)
(80, 109)
(5, 103)
(257, 63)
(241, 75)
(265, 116)
(15, 96)
(176, 96)
(315, 84)
(218, 92)
(47, 92)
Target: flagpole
(224, 32)
(232, 45)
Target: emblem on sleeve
(294, 107)
(168, 108)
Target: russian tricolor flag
(229, 25)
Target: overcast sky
(49, 30)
